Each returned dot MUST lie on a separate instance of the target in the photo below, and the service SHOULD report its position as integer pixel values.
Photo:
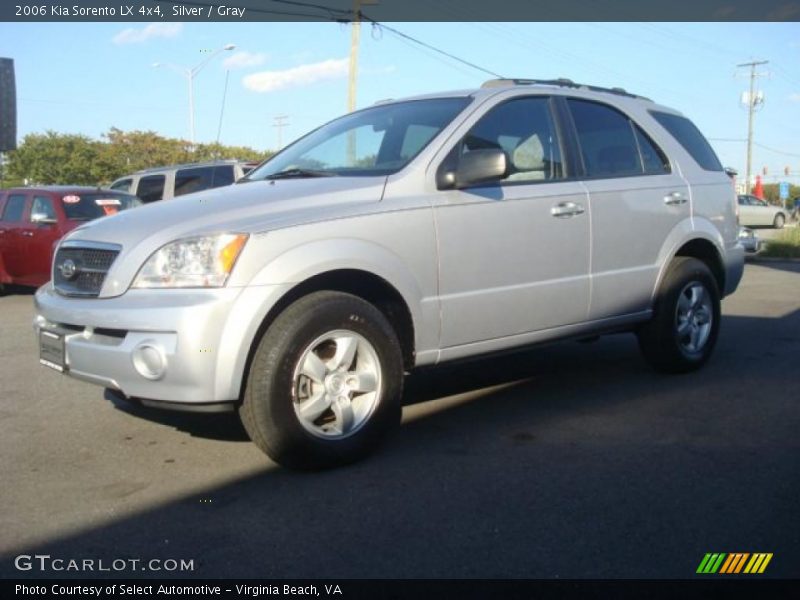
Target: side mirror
(731, 172)
(480, 166)
(42, 219)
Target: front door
(514, 254)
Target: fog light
(149, 360)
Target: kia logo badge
(68, 268)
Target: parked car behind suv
(753, 212)
(409, 233)
(163, 183)
(33, 219)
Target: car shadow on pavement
(430, 383)
(587, 465)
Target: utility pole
(279, 124)
(752, 102)
(355, 38)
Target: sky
(88, 77)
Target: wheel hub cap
(336, 385)
(694, 317)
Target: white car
(754, 211)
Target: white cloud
(794, 97)
(153, 30)
(242, 60)
(270, 81)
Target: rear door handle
(675, 198)
(564, 210)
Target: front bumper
(179, 346)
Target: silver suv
(409, 233)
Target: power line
(775, 150)
(430, 47)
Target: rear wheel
(324, 386)
(779, 221)
(682, 334)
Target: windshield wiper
(299, 173)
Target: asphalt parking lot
(573, 460)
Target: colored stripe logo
(734, 563)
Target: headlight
(204, 261)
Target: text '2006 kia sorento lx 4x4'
(409, 233)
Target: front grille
(80, 269)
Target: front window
(375, 141)
(43, 207)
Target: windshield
(93, 205)
(375, 141)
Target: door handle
(564, 210)
(675, 198)
(27, 233)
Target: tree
(55, 158)
(78, 160)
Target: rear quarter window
(14, 208)
(689, 136)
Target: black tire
(779, 221)
(268, 411)
(664, 340)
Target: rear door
(637, 200)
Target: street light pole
(190, 74)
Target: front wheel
(685, 324)
(324, 386)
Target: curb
(768, 259)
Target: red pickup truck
(33, 219)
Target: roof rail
(560, 82)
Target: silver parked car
(164, 183)
(409, 233)
(749, 240)
(754, 212)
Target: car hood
(250, 207)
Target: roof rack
(560, 82)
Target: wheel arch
(361, 283)
(707, 252)
(700, 240)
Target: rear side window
(151, 188)
(611, 144)
(85, 207)
(223, 175)
(15, 207)
(689, 136)
(192, 180)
